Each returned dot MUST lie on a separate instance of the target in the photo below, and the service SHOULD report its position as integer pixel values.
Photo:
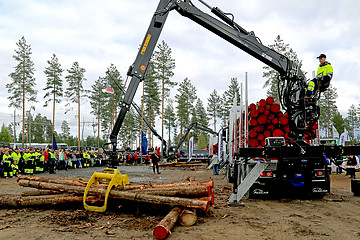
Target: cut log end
(187, 218)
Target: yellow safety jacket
(16, 156)
(325, 70)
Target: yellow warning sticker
(146, 43)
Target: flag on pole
(191, 148)
(110, 90)
(54, 146)
(144, 144)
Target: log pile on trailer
(266, 119)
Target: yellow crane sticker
(146, 43)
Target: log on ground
(7, 201)
(187, 218)
(180, 191)
(163, 185)
(39, 193)
(163, 229)
(125, 195)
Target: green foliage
(5, 135)
(151, 97)
(75, 90)
(110, 108)
(23, 83)
(272, 75)
(98, 99)
(352, 122)
(54, 82)
(213, 107)
(169, 119)
(328, 110)
(227, 99)
(164, 65)
(22, 86)
(75, 80)
(185, 103)
(199, 115)
(338, 122)
(65, 130)
(41, 128)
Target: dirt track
(337, 216)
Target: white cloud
(97, 33)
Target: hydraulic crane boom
(302, 113)
(194, 125)
(137, 109)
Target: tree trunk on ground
(162, 185)
(163, 229)
(183, 191)
(39, 193)
(41, 200)
(65, 181)
(187, 218)
(125, 195)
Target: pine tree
(5, 135)
(54, 84)
(22, 86)
(98, 100)
(169, 119)
(352, 122)
(164, 66)
(272, 75)
(185, 103)
(75, 90)
(199, 115)
(110, 109)
(328, 109)
(151, 98)
(338, 122)
(227, 99)
(213, 107)
(65, 130)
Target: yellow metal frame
(109, 175)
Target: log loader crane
(173, 150)
(303, 112)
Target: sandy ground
(337, 216)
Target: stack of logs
(184, 197)
(267, 120)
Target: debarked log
(125, 195)
(163, 185)
(7, 201)
(183, 191)
(163, 229)
(187, 218)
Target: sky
(98, 33)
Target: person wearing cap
(323, 76)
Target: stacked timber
(267, 120)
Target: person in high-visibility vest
(39, 165)
(51, 156)
(16, 155)
(15, 168)
(7, 159)
(86, 158)
(323, 77)
(27, 161)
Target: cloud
(97, 34)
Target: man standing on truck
(323, 76)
